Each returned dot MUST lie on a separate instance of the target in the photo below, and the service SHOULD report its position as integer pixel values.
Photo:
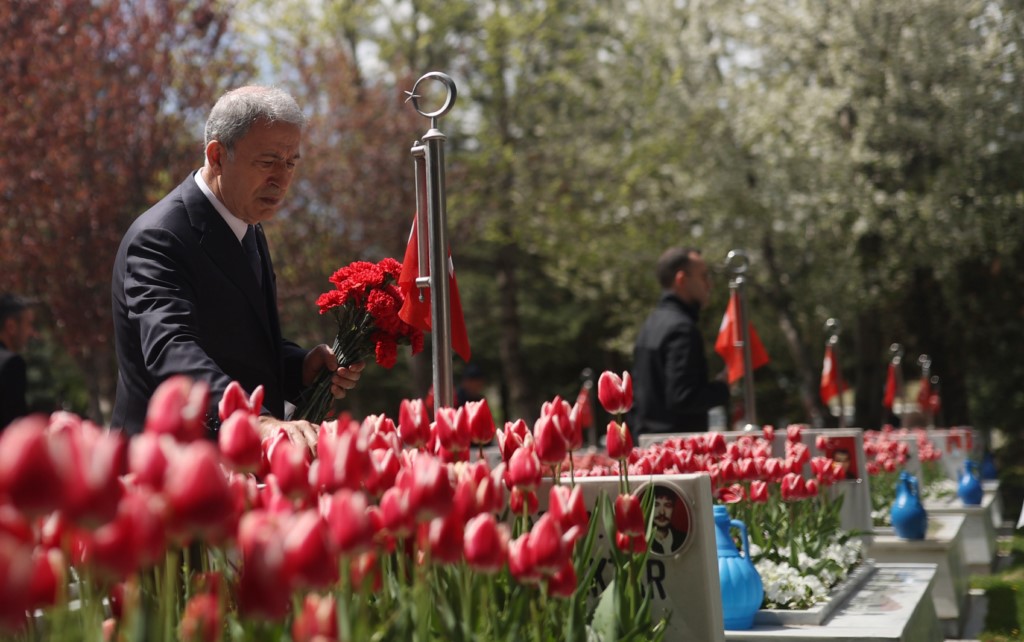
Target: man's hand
(723, 376)
(300, 433)
(321, 358)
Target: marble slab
(942, 546)
(893, 605)
(979, 532)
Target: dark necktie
(252, 251)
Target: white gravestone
(683, 580)
(855, 514)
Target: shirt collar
(237, 225)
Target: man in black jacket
(670, 370)
(16, 319)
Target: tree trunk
(779, 298)
(868, 369)
(510, 341)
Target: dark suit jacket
(186, 302)
(671, 391)
(12, 386)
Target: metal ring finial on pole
(449, 100)
(737, 262)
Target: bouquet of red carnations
(365, 302)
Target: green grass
(1005, 594)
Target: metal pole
(737, 263)
(437, 224)
(833, 328)
(896, 350)
(587, 375)
(926, 371)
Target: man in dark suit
(194, 288)
(670, 370)
(16, 328)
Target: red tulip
(485, 543)
(619, 441)
(524, 470)
(629, 516)
(520, 501)
(27, 472)
(318, 620)
(30, 580)
(197, 491)
(396, 516)
(147, 458)
(520, 560)
(730, 494)
(635, 544)
(201, 621)
(481, 422)
(568, 508)
(547, 548)
(768, 432)
(430, 487)
(235, 399)
(561, 413)
(289, 463)
(758, 491)
(794, 432)
(549, 442)
(445, 536)
(344, 460)
(89, 461)
(307, 557)
(563, 583)
(178, 408)
(413, 423)
(451, 425)
(239, 441)
(615, 393)
(349, 526)
(792, 487)
(263, 588)
(810, 488)
(383, 470)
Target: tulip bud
(485, 543)
(27, 471)
(520, 560)
(234, 398)
(758, 491)
(239, 441)
(413, 423)
(548, 549)
(615, 393)
(629, 516)
(618, 440)
(307, 558)
(524, 469)
(563, 583)
(567, 507)
(347, 516)
(318, 620)
(201, 621)
(178, 408)
(481, 422)
(550, 444)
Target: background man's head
(16, 322)
(682, 271)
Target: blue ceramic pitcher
(988, 466)
(909, 518)
(742, 590)
(970, 490)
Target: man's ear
(215, 156)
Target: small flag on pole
(729, 336)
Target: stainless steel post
(437, 224)
(896, 350)
(926, 372)
(737, 264)
(833, 327)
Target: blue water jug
(742, 590)
(909, 518)
(988, 467)
(969, 489)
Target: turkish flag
(890, 388)
(729, 335)
(830, 377)
(924, 394)
(417, 313)
(585, 412)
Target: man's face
(663, 512)
(695, 285)
(20, 329)
(253, 180)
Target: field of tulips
(388, 531)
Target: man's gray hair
(236, 112)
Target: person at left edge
(16, 328)
(187, 299)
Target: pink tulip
(344, 460)
(383, 470)
(413, 423)
(630, 544)
(451, 425)
(481, 422)
(561, 413)
(614, 392)
(520, 501)
(524, 470)
(147, 458)
(550, 444)
(27, 472)
(263, 588)
(792, 487)
(619, 441)
(810, 488)
(235, 399)
(794, 432)
(430, 487)
(629, 517)
(317, 621)
(485, 544)
(239, 441)
(445, 536)
(396, 517)
(769, 433)
(349, 526)
(512, 438)
(178, 408)
(289, 463)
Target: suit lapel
(223, 248)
